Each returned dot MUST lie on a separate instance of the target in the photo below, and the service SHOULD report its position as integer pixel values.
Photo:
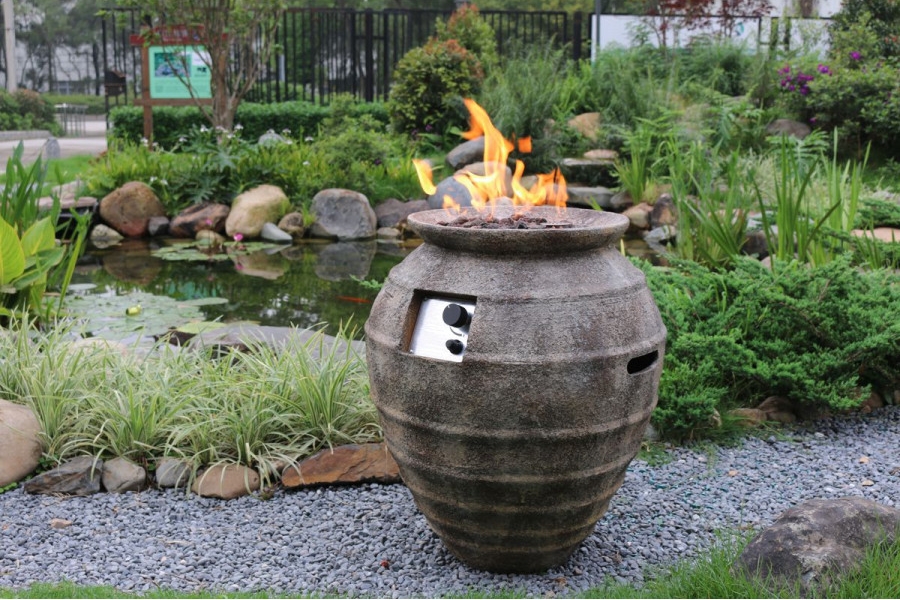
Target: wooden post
(145, 95)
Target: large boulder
(343, 214)
(817, 540)
(255, 207)
(20, 443)
(587, 124)
(197, 218)
(122, 475)
(129, 208)
(788, 127)
(466, 153)
(459, 193)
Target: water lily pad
(201, 250)
(197, 327)
(114, 316)
(79, 288)
(205, 301)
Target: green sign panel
(175, 70)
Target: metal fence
(323, 52)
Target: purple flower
(238, 237)
(813, 120)
(824, 69)
(855, 55)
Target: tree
(238, 35)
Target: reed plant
(263, 408)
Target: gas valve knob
(455, 346)
(455, 316)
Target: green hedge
(171, 123)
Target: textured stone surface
(293, 224)
(199, 217)
(20, 444)
(663, 212)
(129, 208)
(513, 453)
(353, 463)
(172, 472)
(253, 208)
(77, 477)
(815, 541)
(343, 214)
(104, 236)
(466, 153)
(393, 212)
(639, 215)
(270, 232)
(122, 475)
(889, 235)
(226, 482)
(586, 197)
(788, 127)
(587, 124)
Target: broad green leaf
(12, 258)
(40, 236)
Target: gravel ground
(371, 541)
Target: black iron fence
(323, 52)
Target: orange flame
(494, 184)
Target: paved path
(91, 141)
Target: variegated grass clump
(263, 408)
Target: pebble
(333, 541)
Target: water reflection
(302, 285)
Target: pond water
(144, 287)
(303, 285)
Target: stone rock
(388, 233)
(343, 214)
(270, 232)
(103, 236)
(393, 212)
(51, 149)
(788, 127)
(587, 124)
(602, 154)
(872, 402)
(77, 477)
(756, 244)
(817, 540)
(344, 260)
(353, 463)
(748, 417)
(172, 472)
(158, 226)
(292, 224)
(778, 409)
(466, 153)
(20, 442)
(129, 208)
(199, 217)
(121, 475)
(250, 210)
(586, 197)
(226, 482)
(663, 212)
(639, 215)
(452, 188)
(659, 236)
(589, 171)
(888, 235)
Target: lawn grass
(59, 171)
(708, 577)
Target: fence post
(370, 55)
(577, 25)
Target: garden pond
(145, 287)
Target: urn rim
(590, 229)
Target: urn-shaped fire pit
(514, 372)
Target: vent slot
(642, 363)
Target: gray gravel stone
(333, 541)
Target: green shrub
(821, 336)
(881, 17)
(722, 66)
(471, 32)
(24, 110)
(171, 123)
(94, 105)
(429, 84)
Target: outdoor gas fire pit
(514, 369)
